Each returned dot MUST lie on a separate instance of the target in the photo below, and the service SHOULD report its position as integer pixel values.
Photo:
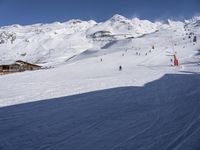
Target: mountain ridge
(57, 42)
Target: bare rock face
(6, 37)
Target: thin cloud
(135, 16)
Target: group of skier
(137, 53)
(174, 59)
(120, 67)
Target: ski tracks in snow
(186, 134)
(124, 143)
(120, 145)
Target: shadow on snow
(162, 115)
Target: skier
(120, 68)
(101, 60)
(195, 39)
(171, 60)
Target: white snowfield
(148, 105)
(85, 72)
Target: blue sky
(45, 11)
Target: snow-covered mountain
(44, 42)
(55, 43)
(114, 85)
(85, 51)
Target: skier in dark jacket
(195, 39)
(120, 68)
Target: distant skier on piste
(120, 68)
(195, 39)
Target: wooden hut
(18, 66)
(27, 66)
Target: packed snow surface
(85, 102)
(162, 115)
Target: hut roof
(23, 62)
(10, 63)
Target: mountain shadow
(162, 115)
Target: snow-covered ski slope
(162, 115)
(85, 102)
(143, 58)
